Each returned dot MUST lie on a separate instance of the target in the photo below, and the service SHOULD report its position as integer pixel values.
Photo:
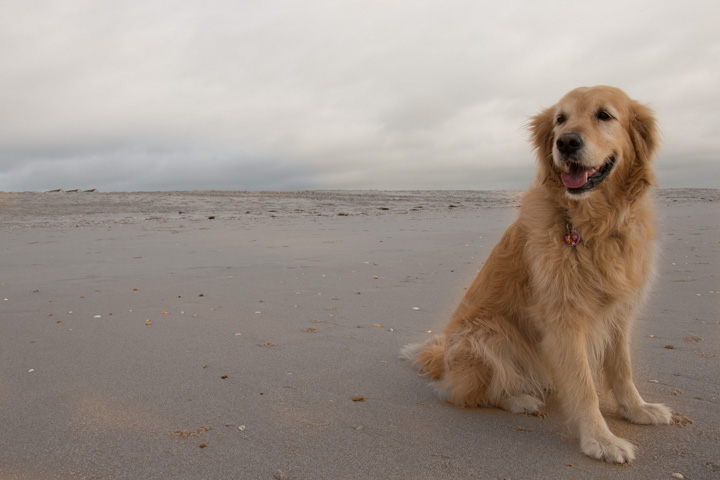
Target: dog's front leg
(566, 351)
(618, 374)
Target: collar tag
(571, 238)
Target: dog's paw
(649, 414)
(522, 404)
(608, 447)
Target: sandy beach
(255, 335)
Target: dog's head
(595, 139)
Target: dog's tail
(428, 357)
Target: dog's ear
(542, 138)
(646, 140)
(541, 132)
(644, 131)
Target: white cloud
(319, 94)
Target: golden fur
(543, 316)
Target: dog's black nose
(569, 143)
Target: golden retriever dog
(554, 302)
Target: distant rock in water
(75, 190)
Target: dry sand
(139, 338)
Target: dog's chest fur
(609, 267)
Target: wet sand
(255, 335)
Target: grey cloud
(333, 94)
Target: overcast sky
(339, 94)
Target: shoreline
(130, 207)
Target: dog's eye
(604, 116)
(560, 119)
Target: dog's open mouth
(579, 179)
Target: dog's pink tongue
(576, 177)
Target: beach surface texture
(255, 335)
